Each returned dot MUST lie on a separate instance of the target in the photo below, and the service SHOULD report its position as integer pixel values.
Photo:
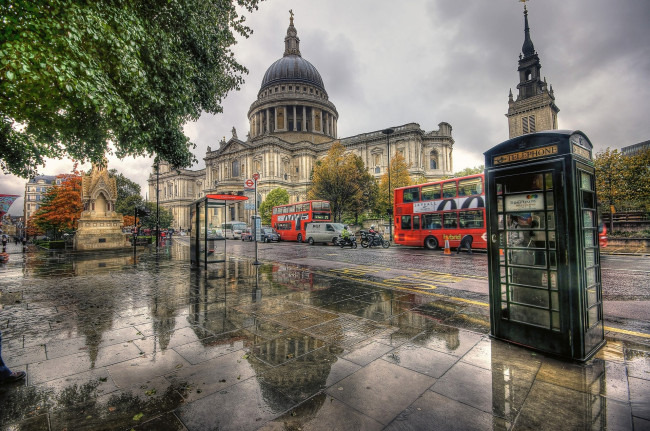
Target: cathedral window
(235, 169)
(433, 160)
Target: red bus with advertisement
(425, 215)
(290, 220)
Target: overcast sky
(427, 61)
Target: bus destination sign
(525, 155)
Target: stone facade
(100, 227)
(534, 109)
(292, 124)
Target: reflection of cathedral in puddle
(288, 361)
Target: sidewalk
(113, 343)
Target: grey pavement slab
(113, 343)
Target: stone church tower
(535, 108)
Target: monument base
(100, 232)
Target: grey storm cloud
(386, 63)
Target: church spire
(291, 41)
(527, 48)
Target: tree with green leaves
(275, 197)
(399, 177)
(610, 182)
(364, 199)
(470, 171)
(340, 179)
(148, 221)
(635, 177)
(75, 76)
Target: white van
(323, 232)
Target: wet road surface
(361, 342)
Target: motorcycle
(376, 240)
(350, 241)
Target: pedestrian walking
(4, 243)
(6, 375)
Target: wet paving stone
(381, 390)
(245, 406)
(109, 342)
(323, 412)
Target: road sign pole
(255, 177)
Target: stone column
(268, 126)
(294, 118)
(304, 118)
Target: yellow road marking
(626, 332)
(393, 284)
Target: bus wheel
(431, 243)
(299, 237)
(310, 241)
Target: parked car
(247, 235)
(269, 234)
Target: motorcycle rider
(345, 235)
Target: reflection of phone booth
(543, 252)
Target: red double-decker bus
(290, 220)
(425, 215)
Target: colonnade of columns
(293, 118)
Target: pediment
(233, 145)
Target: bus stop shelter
(207, 240)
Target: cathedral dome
(292, 68)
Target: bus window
(470, 187)
(416, 222)
(431, 221)
(283, 226)
(471, 219)
(449, 220)
(326, 206)
(406, 222)
(431, 192)
(411, 195)
(449, 190)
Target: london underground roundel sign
(249, 183)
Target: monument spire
(291, 41)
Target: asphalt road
(626, 279)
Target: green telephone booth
(543, 250)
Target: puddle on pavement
(117, 339)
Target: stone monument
(100, 227)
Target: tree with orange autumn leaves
(61, 207)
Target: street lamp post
(389, 132)
(157, 202)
